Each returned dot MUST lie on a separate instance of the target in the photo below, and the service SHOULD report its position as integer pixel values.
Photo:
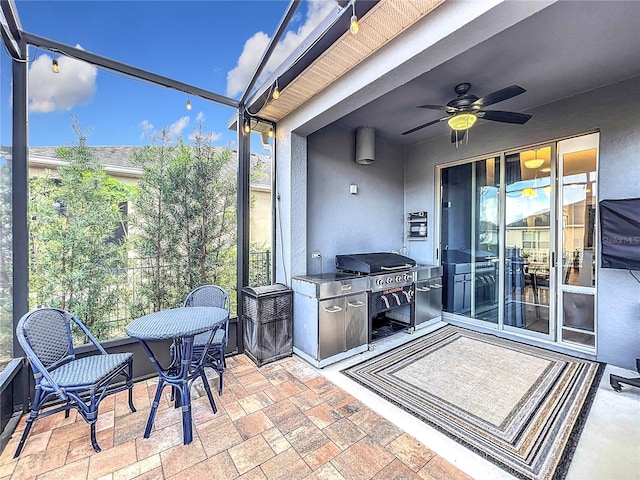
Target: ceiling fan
(466, 108)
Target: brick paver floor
(284, 420)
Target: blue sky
(210, 44)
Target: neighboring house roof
(117, 161)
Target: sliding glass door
(518, 246)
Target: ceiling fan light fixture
(462, 121)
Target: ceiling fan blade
(507, 117)
(457, 135)
(445, 108)
(498, 96)
(423, 126)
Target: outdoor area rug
(521, 407)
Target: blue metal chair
(211, 296)
(81, 383)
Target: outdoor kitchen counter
(329, 284)
(330, 316)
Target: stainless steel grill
(390, 283)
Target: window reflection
(578, 217)
(470, 239)
(528, 239)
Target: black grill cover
(373, 262)
(620, 233)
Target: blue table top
(176, 323)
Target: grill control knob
(398, 278)
(380, 281)
(390, 280)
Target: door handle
(553, 259)
(356, 304)
(423, 289)
(333, 309)
(436, 285)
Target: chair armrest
(37, 366)
(89, 335)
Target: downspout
(244, 172)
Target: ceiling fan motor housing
(464, 100)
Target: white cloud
(176, 128)
(74, 84)
(147, 129)
(238, 78)
(254, 47)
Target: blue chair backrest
(208, 296)
(47, 331)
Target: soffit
(386, 20)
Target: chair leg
(222, 364)
(94, 441)
(130, 386)
(207, 389)
(32, 417)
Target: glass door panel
(486, 240)
(469, 237)
(577, 224)
(529, 240)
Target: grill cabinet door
(356, 320)
(331, 314)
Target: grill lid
(369, 263)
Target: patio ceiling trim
(339, 51)
(128, 70)
(322, 38)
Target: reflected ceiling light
(535, 162)
(545, 169)
(188, 103)
(54, 66)
(462, 121)
(528, 192)
(276, 91)
(246, 126)
(547, 189)
(355, 26)
(270, 132)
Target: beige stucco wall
(260, 217)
